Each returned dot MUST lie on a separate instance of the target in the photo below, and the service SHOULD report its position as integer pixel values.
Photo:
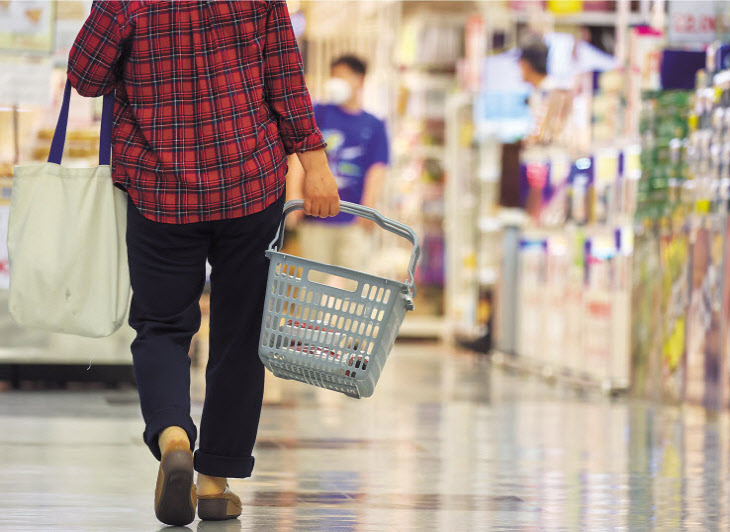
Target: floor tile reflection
(446, 443)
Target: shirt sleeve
(286, 91)
(96, 58)
(379, 148)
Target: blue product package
(679, 68)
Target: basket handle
(398, 228)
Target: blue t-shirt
(355, 142)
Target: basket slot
(289, 270)
(332, 280)
(373, 293)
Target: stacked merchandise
(573, 295)
(416, 192)
(574, 275)
(661, 247)
(709, 279)
(682, 263)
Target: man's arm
(374, 179)
(94, 63)
(288, 98)
(286, 90)
(294, 188)
(321, 197)
(379, 151)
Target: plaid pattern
(210, 100)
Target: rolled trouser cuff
(223, 466)
(162, 419)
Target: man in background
(358, 155)
(548, 105)
(533, 63)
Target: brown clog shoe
(220, 506)
(175, 497)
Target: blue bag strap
(105, 138)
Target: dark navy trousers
(167, 269)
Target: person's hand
(320, 194)
(319, 187)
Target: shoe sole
(176, 505)
(217, 509)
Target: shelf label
(691, 21)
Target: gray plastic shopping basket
(330, 336)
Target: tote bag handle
(105, 138)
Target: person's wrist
(313, 161)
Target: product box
(674, 256)
(706, 329)
(557, 272)
(530, 338)
(601, 254)
(646, 321)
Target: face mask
(338, 91)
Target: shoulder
(272, 4)
(377, 124)
(119, 9)
(372, 120)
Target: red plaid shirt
(210, 98)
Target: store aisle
(447, 443)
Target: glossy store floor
(446, 443)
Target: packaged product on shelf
(6, 186)
(600, 254)
(534, 183)
(646, 329)
(573, 304)
(581, 190)
(645, 45)
(530, 306)
(608, 107)
(664, 132)
(554, 212)
(674, 256)
(621, 320)
(706, 330)
(557, 276)
(607, 174)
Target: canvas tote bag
(67, 241)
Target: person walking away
(210, 99)
(358, 154)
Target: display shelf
(428, 152)
(415, 193)
(490, 224)
(585, 18)
(613, 387)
